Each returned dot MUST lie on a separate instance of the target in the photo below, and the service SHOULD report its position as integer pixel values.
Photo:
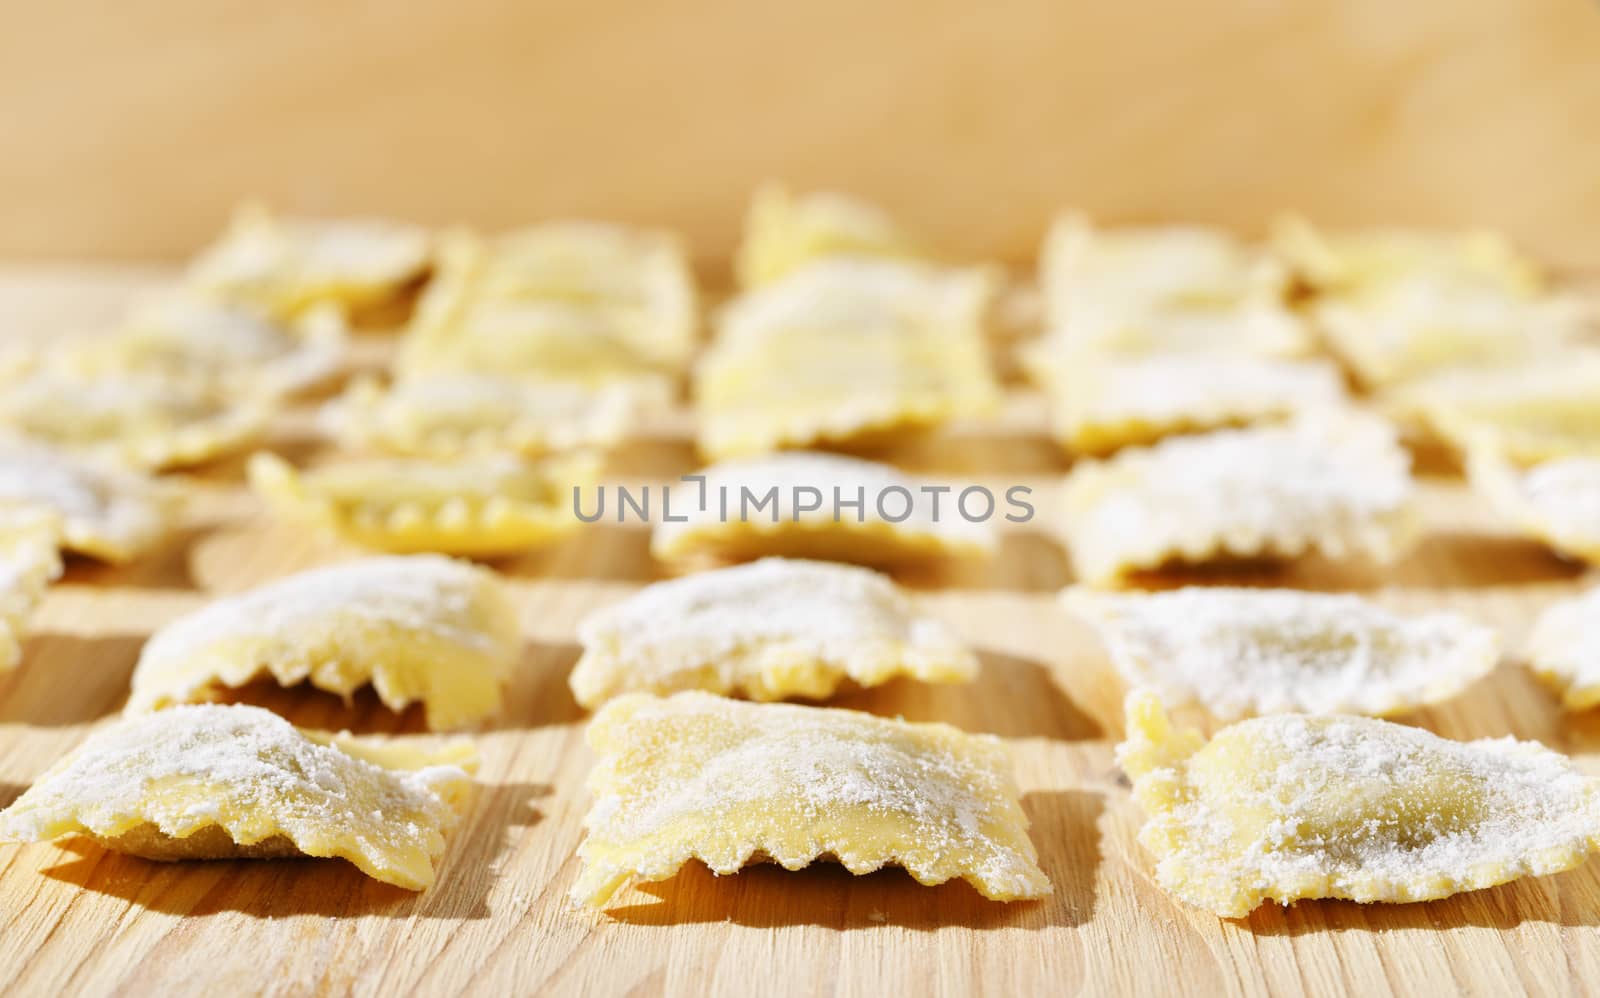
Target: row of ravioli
(527, 354)
(1325, 801)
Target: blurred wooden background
(130, 129)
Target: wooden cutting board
(80, 920)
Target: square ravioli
(784, 231)
(1557, 501)
(1238, 652)
(1336, 482)
(285, 265)
(1083, 268)
(419, 629)
(1527, 413)
(146, 422)
(214, 782)
(451, 415)
(1264, 328)
(1409, 329)
(773, 629)
(1343, 262)
(836, 388)
(1101, 405)
(861, 295)
(29, 562)
(565, 301)
(1564, 649)
(845, 352)
(1292, 806)
(804, 505)
(486, 505)
(696, 776)
(234, 350)
(106, 510)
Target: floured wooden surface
(78, 919)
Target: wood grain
(79, 920)
(130, 130)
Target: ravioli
(1529, 413)
(1564, 649)
(863, 295)
(286, 265)
(773, 629)
(696, 776)
(236, 782)
(579, 302)
(1238, 652)
(1556, 501)
(1292, 806)
(482, 505)
(1358, 260)
(146, 422)
(1406, 330)
(106, 510)
(783, 232)
(786, 505)
(1100, 406)
(1259, 327)
(419, 629)
(228, 348)
(846, 352)
(1333, 482)
(1085, 269)
(29, 562)
(447, 416)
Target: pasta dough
(1262, 651)
(1291, 806)
(142, 421)
(1100, 406)
(29, 562)
(750, 508)
(488, 505)
(446, 416)
(284, 266)
(1556, 501)
(697, 776)
(783, 232)
(106, 511)
(1334, 482)
(420, 629)
(1564, 649)
(773, 629)
(213, 782)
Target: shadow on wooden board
(97, 670)
(536, 697)
(1064, 827)
(281, 887)
(1470, 560)
(1569, 899)
(1012, 697)
(165, 567)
